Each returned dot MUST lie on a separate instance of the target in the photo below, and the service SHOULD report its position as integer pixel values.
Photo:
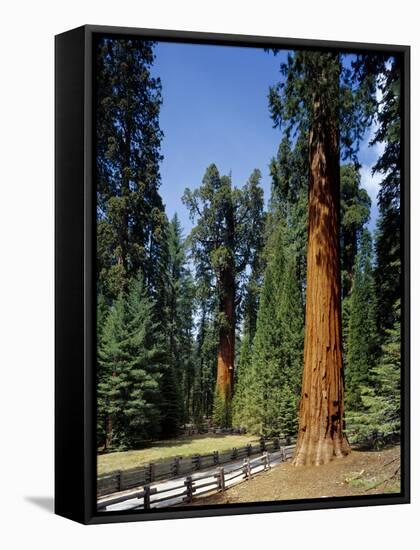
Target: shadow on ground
(46, 503)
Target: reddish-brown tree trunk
(226, 347)
(321, 418)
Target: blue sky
(215, 109)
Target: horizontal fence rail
(206, 483)
(123, 480)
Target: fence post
(234, 453)
(146, 498)
(247, 468)
(276, 444)
(119, 477)
(196, 460)
(175, 466)
(249, 449)
(266, 460)
(262, 444)
(189, 489)
(267, 457)
(222, 478)
(151, 472)
(215, 457)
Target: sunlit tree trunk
(321, 419)
(226, 347)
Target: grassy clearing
(162, 450)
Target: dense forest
(236, 323)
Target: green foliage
(355, 213)
(268, 381)
(380, 414)
(362, 338)
(308, 76)
(376, 410)
(229, 229)
(388, 236)
(380, 76)
(131, 221)
(269, 377)
(177, 383)
(205, 365)
(159, 324)
(225, 243)
(131, 360)
(289, 201)
(278, 343)
(243, 378)
(222, 409)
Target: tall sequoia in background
(131, 221)
(132, 226)
(224, 242)
(313, 99)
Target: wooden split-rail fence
(202, 485)
(123, 480)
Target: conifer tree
(355, 206)
(317, 100)
(177, 380)
(388, 237)
(269, 375)
(224, 242)
(131, 360)
(269, 372)
(205, 361)
(354, 214)
(289, 200)
(102, 310)
(362, 326)
(380, 78)
(243, 381)
(378, 418)
(131, 222)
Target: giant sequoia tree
(132, 245)
(131, 222)
(224, 242)
(316, 99)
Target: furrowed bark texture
(226, 348)
(321, 417)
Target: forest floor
(359, 473)
(182, 446)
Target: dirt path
(360, 473)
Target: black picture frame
(75, 348)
